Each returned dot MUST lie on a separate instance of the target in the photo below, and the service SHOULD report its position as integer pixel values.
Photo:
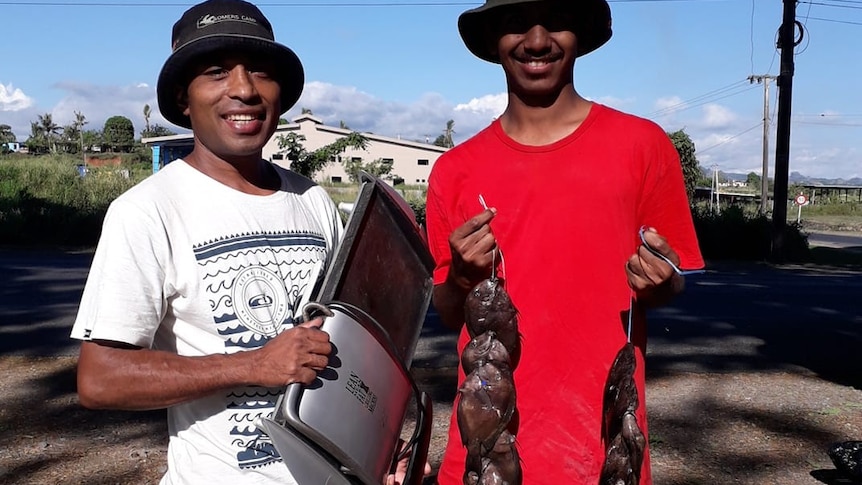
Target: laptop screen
(383, 266)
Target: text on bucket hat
(592, 24)
(217, 25)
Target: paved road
(735, 317)
(836, 240)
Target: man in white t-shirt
(193, 302)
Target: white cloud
(621, 104)
(491, 105)
(13, 99)
(723, 137)
(98, 103)
(422, 119)
(718, 116)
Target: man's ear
(183, 100)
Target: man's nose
(241, 84)
(537, 39)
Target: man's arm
(118, 376)
(472, 247)
(449, 301)
(654, 281)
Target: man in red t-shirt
(569, 184)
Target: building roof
(183, 139)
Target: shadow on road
(758, 317)
(39, 296)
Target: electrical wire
(835, 21)
(731, 90)
(855, 6)
(700, 151)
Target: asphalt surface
(737, 316)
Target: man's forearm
(449, 302)
(139, 379)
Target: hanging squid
(487, 396)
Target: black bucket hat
(217, 25)
(592, 25)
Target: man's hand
(398, 477)
(472, 246)
(295, 355)
(652, 278)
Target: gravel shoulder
(726, 428)
(749, 381)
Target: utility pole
(786, 42)
(764, 175)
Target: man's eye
(261, 74)
(259, 71)
(511, 23)
(215, 71)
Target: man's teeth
(537, 63)
(241, 118)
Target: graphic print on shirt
(256, 285)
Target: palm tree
(147, 113)
(49, 130)
(80, 121)
(36, 142)
(448, 132)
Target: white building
(411, 160)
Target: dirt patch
(746, 428)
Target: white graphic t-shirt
(191, 266)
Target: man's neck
(539, 124)
(250, 175)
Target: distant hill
(795, 178)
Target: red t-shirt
(567, 220)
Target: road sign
(801, 200)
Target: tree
(49, 131)
(6, 135)
(91, 138)
(753, 180)
(155, 130)
(445, 139)
(72, 139)
(691, 170)
(309, 163)
(147, 113)
(43, 135)
(307, 111)
(381, 168)
(119, 134)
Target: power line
(835, 21)
(729, 139)
(295, 4)
(826, 123)
(712, 96)
(855, 6)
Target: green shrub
(44, 201)
(739, 234)
(842, 209)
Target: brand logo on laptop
(361, 391)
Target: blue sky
(399, 68)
